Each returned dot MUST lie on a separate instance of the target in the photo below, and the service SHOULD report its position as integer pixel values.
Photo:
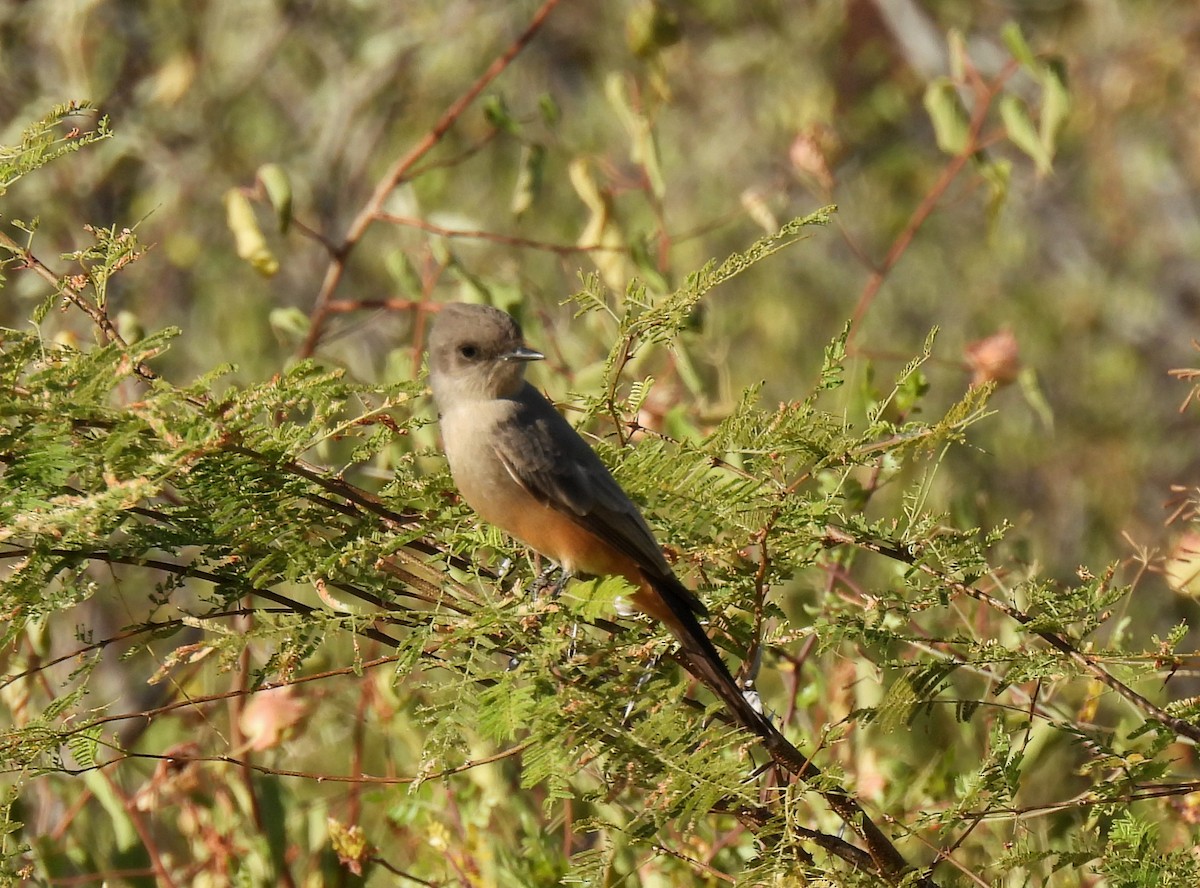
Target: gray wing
(558, 468)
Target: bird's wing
(547, 457)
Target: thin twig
(506, 239)
(986, 95)
(400, 169)
(161, 873)
(72, 293)
(1182, 727)
(510, 752)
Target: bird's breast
(470, 440)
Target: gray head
(476, 352)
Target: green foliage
(1132, 858)
(253, 636)
(65, 129)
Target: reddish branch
(399, 171)
(985, 95)
(505, 239)
(73, 294)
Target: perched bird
(523, 468)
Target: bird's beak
(524, 354)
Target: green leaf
(957, 45)
(909, 392)
(833, 366)
(495, 111)
(66, 129)
(1022, 132)
(278, 185)
(118, 819)
(997, 172)
(1015, 41)
(529, 178)
(951, 126)
(83, 745)
(1031, 390)
(549, 110)
(643, 148)
(289, 322)
(592, 599)
(650, 27)
(1056, 103)
(251, 245)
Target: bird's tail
(703, 661)
(706, 664)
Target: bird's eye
(468, 351)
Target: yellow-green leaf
(1015, 41)
(495, 110)
(949, 118)
(651, 27)
(251, 245)
(289, 322)
(278, 186)
(1022, 132)
(958, 54)
(1056, 103)
(529, 177)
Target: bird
(523, 468)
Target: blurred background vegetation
(674, 133)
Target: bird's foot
(543, 582)
(557, 591)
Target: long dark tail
(706, 664)
(703, 661)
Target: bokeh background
(760, 112)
